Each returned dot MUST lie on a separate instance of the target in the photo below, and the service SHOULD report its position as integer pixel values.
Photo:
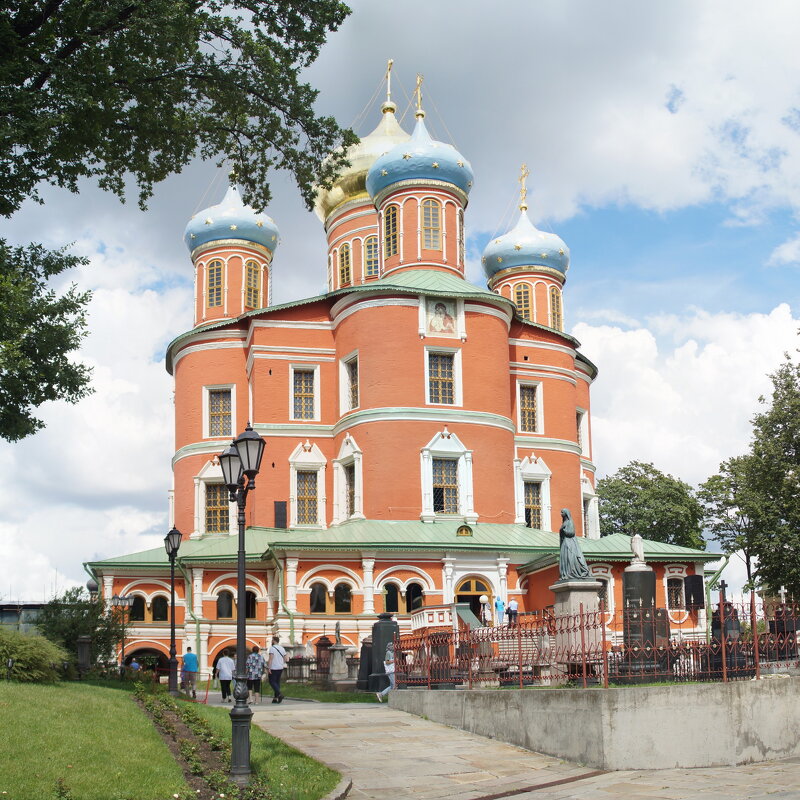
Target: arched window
(556, 317)
(414, 599)
(371, 266)
(137, 609)
(225, 605)
(318, 598)
(344, 264)
(214, 282)
(533, 504)
(252, 284)
(250, 605)
(522, 300)
(391, 598)
(342, 598)
(390, 232)
(431, 224)
(602, 593)
(160, 609)
(461, 254)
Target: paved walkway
(390, 754)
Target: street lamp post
(172, 541)
(123, 603)
(240, 464)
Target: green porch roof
(539, 547)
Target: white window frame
(458, 397)
(317, 390)
(206, 412)
(532, 470)
(447, 445)
(583, 426)
(349, 455)
(307, 458)
(591, 524)
(210, 473)
(344, 383)
(539, 386)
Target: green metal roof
(408, 536)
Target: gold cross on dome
(418, 91)
(389, 80)
(523, 189)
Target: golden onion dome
(351, 181)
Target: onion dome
(525, 246)
(420, 159)
(350, 182)
(231, 219)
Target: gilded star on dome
(435, 165)
(483, 261)
(499, 260)
(518, 247)
(259, 223)
(233, 227)
(384, 172)
(460, 163)
(273, 238)
(497, 241)
(209, 220)
(469, 184)
(561, 251)
(193, 236)
(406, 155)
(543, 255)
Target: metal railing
(602, 648)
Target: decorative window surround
(346, 393)
(534, 470)
(230, 387)
(305, 368)
(461, 328)
(349, 456)
(446, 445)
(307, 458)
(590, 508)
(582, 425)
(210, 473)
(671, 572)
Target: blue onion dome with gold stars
(525, 246)
(421, 159)
(231, 219)
(350, 182)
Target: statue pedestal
(337, 670)
(576, 642)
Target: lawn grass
(96, 739)
(291, 775)
(304, 691)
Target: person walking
(513, 608)
(255, 667)
(190, 667)
(388, 666)
(276, 663)
(225, 668)
(499, 610)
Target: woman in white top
(225, 667)
(388, 666)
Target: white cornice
(543, 372)
(377, 303)
(534, 442)
(185, 351)
(438, 414)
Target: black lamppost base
(173, 677)
(241, 715)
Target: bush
(36, 660)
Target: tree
(74, 614)
(639, 498)
(38, 331)
(734, 508)
(775, 451)
(141, 87)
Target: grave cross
(722, 587)
(782, 593)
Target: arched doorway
(470, 590)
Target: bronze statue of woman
(571, 563)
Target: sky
(663, 141)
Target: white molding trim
(386, 577)
(198, 348)
(458, 390)
(532, 470)
(210, 473)
(539, 399)
(312, 576)
(349, 455)
(447, 445)
(302, 367)
(307, 458)
(231, 387)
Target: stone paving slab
(390, 754)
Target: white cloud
(786, 253)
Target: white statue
(637, 548)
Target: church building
(422, 433)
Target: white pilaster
(291, 582)
(368, 565)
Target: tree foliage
(38, 331)
(735, 511)
(36, 660)
(141, 87)
(775, 451)
(639, 498)
(75, 614)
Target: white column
(519, 499)
(448, 564)
(291, 582)
(368, 565)
(502, 570)
(198, 502)
(197, 592)
(469, 510)
(108, 589)
(272, 594)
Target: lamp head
(172, 541)
(250, 447)
(231, 468)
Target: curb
(341, 790)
